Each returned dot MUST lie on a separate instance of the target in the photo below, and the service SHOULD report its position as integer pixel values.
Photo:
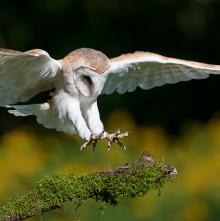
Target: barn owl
(78, 80)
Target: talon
(93, 140)
(109, 144)
(84, 145)
(114, 137)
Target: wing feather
(24, 74)
(147, 70)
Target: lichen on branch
(108, 187)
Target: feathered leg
(91, 115)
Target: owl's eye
(84, 84)
(87, 79)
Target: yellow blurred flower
(20, 157)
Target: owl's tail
(45, 115)
(42, 112)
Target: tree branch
(108, 187)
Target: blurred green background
(180, 123)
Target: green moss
(107, 187)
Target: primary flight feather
(78, 79)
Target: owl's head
(87, 65)
(88, 58)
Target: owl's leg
(68, 108)
(91, 115)
(114, 138)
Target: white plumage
(78, 79)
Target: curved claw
(114, 137)
(93, 140)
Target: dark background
(188, 29)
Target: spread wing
(24, 74)
(147, 70)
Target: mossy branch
(108, 187)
